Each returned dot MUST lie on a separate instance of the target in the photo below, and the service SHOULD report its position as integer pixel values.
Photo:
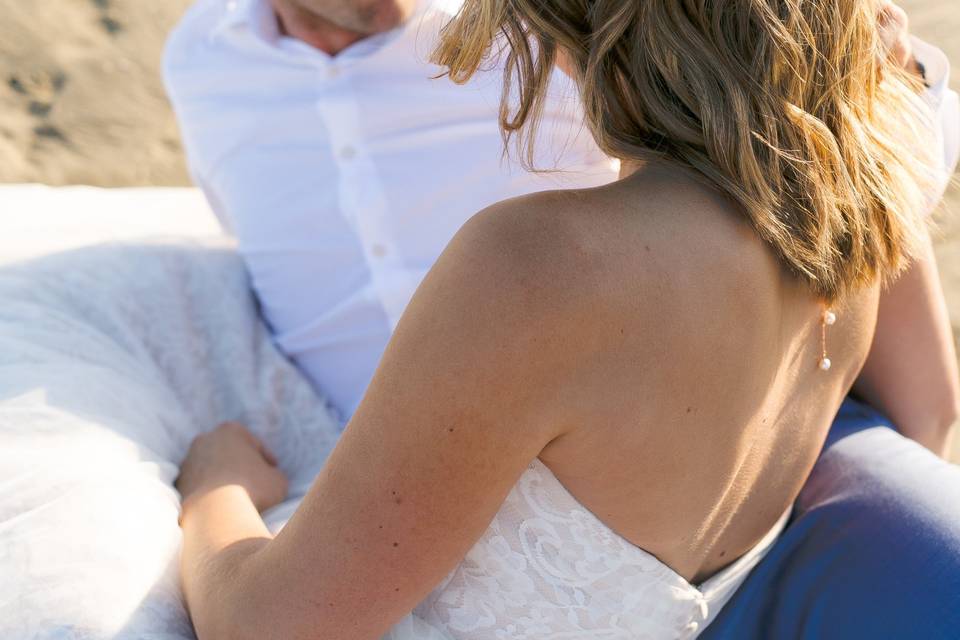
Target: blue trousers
(872, 549)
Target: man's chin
(389, 15)
(366, 17)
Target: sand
(81, 100)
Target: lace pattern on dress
(548, 569)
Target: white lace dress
(548, 569)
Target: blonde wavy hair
(788, 106)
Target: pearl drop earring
(827, 319)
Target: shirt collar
(240, 14)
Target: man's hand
(333, 25)
(894, 27)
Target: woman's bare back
(710, 405)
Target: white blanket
(112, 359)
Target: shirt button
(378, 250)
(348, 153)
(332, 72)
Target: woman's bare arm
(469, 391)
(911, 372)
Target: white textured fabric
(344, 178)
(38, 220)
(112, 359)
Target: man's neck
(313, 29)
(333, 25)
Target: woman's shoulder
(587, 291)
(535, 241)
(638, 235)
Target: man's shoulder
(202, 16)
(193, 33)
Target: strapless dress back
(548, 569)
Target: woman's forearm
(911, 373)
(222, 531)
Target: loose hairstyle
(788, 106)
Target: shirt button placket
(362, 200)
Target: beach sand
(81, 100)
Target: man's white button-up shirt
(343, 178)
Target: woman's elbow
(234, 611)
(235, 624)
(252, 611)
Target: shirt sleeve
(187, 36)
(215, 205)
(945, 106)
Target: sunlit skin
(575, 327)
(894, 31)
(333, 25)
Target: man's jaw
(377, 16)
